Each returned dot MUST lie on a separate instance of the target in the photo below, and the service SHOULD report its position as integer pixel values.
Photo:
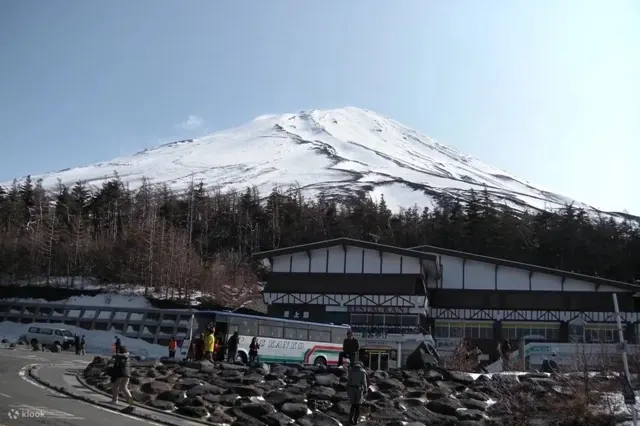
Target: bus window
(337, 336)
(265, 330)
(319, 336)
(247, 326)
(295, 333)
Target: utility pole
(627, 389)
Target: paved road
(45, 406)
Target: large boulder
(422, 358)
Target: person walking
(117, 345)
(172, 347)
(350, 348)
(232, 347)
(254, 347)
(357, 388)
(122, 375)
(83, 345)
(76, 343)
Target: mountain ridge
(338, 152)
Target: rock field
(273, 395)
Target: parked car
(50, 336)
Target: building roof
(346, 242)
(527, 267)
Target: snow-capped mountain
(336, 151)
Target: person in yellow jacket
(209, 345)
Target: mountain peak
(337, 151)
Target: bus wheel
(320, 361)
(242, 357)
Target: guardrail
(151, 325)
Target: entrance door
(377, 360)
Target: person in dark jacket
(350, 348)
(122, 374)
(199, 349)
(83, 346)
(357, 388)
(550, 365)
(232, 347)
(117, 345)
(254, 347)
(76, 343)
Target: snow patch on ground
(108, 300)
(118, 295)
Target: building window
(531, 331)
(458, 330)
(593, 333)
(385, 323)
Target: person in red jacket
(172, 347)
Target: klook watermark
(21, 413)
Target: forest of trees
(202, 240)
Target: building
(381, 291)
(390, 294)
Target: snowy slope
(336, 151)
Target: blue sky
(547, 90)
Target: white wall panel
(336, 260)
(300, 262)
(451, 272)
(281, 264)
(411, 265)
(544, 282)
(479, 275)
(371, 262)
(319, 261)
(512, 279)
(354, 260)
(390, 263)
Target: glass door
(374, 360)
(377, 360)
(384, 361)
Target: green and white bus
(281, 340)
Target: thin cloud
(193, 122)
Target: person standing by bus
(232, 347)
(254, 346)
(350, 348)
(209, 344)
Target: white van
(50, 336)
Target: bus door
(221, 335)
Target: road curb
(32, 372)
(84, 383)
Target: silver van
(50, 336)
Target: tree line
(202, 239)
